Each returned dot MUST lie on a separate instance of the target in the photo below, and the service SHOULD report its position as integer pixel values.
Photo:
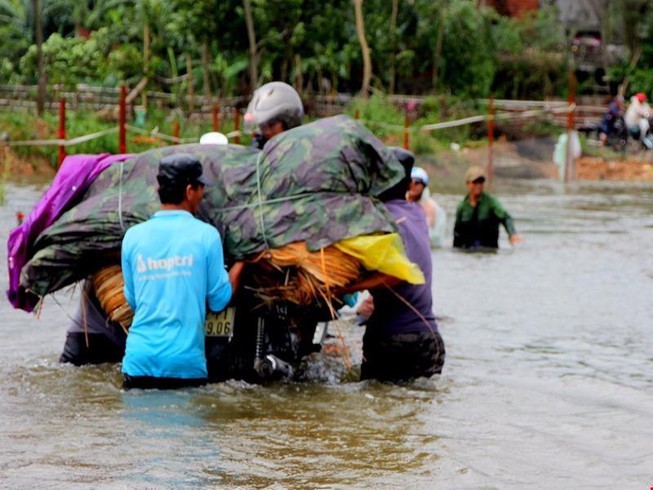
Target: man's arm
(219, 288)
(127, 273)
(430, 210)
(376, 280)
(234, 275)
(458, 240)
(506, 220)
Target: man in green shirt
(478, 217)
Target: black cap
(181, 169)
(398, 191)
(405, 157)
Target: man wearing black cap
(401, 339)
(173, 266)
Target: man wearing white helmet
(418, 192)
(274, 108)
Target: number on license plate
(220, 324)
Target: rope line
(552, 108)
(122, 225)
(260, 198)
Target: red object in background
(175, 132)
(512, 8)
(122, 120)
(237, 126)
(20, 217)
(62, 129)
(216, 117)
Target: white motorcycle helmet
(214, 138)
(275, 101)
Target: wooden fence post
(357, 114)
(175, 131)
(237, 126)
(571, 106)
(406, 132)
(122, 120)
(490, 140)
(62, 129)
(216, 117)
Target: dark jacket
(478, 227)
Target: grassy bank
(439, 151)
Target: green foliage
(449, 47)
(68, 60)
(468, 50)
(530, 56)
(378, 114)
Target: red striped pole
(122, 120)
(175, 131)
(62, 129)
(571, 105)
(216, 117)
(490, 139)
(406, 134)
(237, 126)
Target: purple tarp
(77, 172)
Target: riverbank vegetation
(453, 52)
(227, 48)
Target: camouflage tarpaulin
(314, 183)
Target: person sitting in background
(637, 117)
(615, 111)
(478, 216)
(173, 267)
(275, 107)
(401, 340)
(436, 218)
(92, 338)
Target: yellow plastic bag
(383, 253)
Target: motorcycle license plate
(220, 324)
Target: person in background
(401, 340)
(436, 218)
(92, 338)
(615, 111)
(478, 216)
(173, 267)
(637, 116)
(275, 107)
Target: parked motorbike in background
(617, 137)
(646, 140)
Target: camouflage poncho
(315, 183)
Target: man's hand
(234, 275)
(515, 239)
(366, 308)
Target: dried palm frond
(108, 284)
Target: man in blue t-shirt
(173, 266)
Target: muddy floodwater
(548, 381)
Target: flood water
(548, 381)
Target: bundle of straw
(293, 273)
(108, 284)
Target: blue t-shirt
(173, 265)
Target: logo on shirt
(165, 267)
